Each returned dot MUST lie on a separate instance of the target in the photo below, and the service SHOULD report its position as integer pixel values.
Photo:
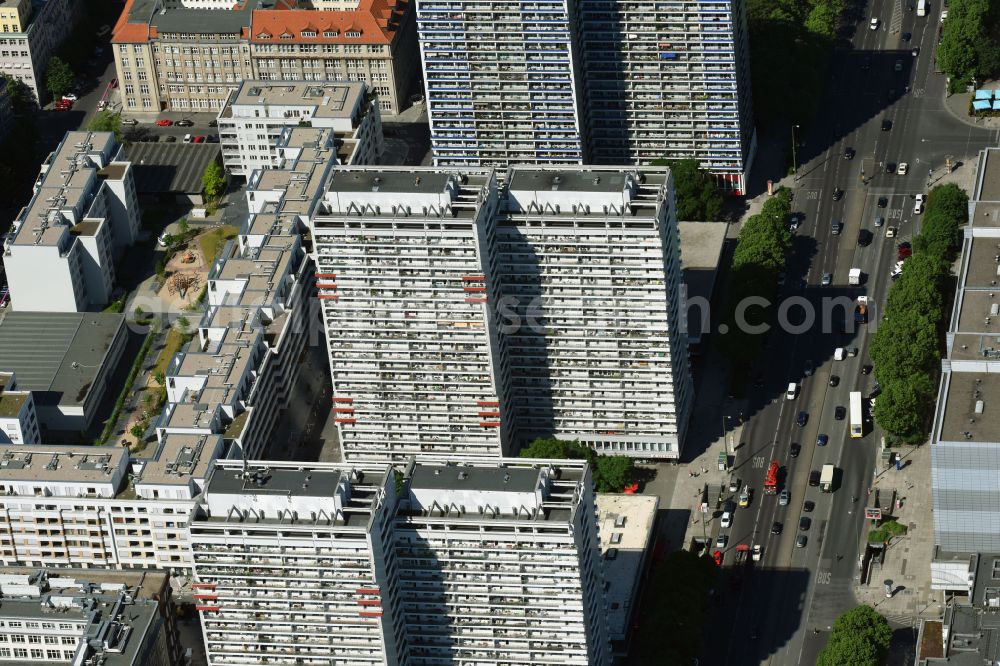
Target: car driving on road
(802, 419)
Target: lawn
(212, 241)
(175, 339)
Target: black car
(890, 167)
(834, 380)
(776, 528)
(905, 245)
(814, 478)
(184, 122)
(849, 154)
(886, 124)
(804, 523)
(864, 237)
(801, 541)
(838, 194)
(213, 123)
(822, 440)
(875, 391)
(794, 450)
(801, 419)
(883, 202)
(866, 369)
(808, 506)
(906, 36)
(839, 413)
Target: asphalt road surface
(781, 613)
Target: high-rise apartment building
(401, 259)
(84, 212)
(463, 319)
(188, 56)
(669, 80)
(473, 564)
(588, 81)
(500, 81)
(587, 275)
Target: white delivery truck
(826, 479)
(921, 7)
(854, 276)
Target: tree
(182, 226)
(107, 121)
(613, 473)
(22, 98)
(969, 45)
(183, 324)
(903, 406)
(137, 430)
(860, 637)
(610, 473)
(698, 197)
(58, 77)
(213, 181)
(160, 378)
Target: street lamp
(795, 163)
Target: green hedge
(140, 358)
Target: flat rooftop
(570, 180)
(989, 185)
(305, 482)
(325, 100)
(980, 311)
(57, 353)
(179, 457)
(961, 422)
(483, 479)
(983, 266)
(625, 527)
(42, 462)
(375, 180)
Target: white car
(874, 24)
(890, 232)
(722, 541)
(944, 14)
(918, 207)
(71, 97)
(187, 138)
(901, 169)
(726, 521)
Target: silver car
(783, 498)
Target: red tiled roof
(373, 19)
(125, 32)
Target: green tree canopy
(970, 47)
(213, 181)
(698, 197)
(106, 121)
(860, 637)
(611, 473)
(58, 77)
(22, 99)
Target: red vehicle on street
(163, 122)
(198, 139)
(64, 105)
(771, 480)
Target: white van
(839, 354)
(793, 390)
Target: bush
(140, 358)
(611, 473)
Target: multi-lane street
(885, 104)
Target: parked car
(71, 97)
(918, 207)
(814, 478)
(866, 369)
(726, 521)
(130, 121)
(804, 523)
(198, 139)
(874, 23)
(722, 541)
(834, 380)
(783, 498)
(184, 122)
(734, 484)
(163, 122)
(794, 450)
(904, 253)
(187, 138)
(821, 440)
(801, 541)
(810, 505)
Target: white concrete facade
(257, 113)
(18, 418)
(83, 213)
(500, 81)
(401, 257)
(31, 33)
(587, 265)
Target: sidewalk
(907, 559)
(958, 106)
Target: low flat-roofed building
(968, 632)
(965, 436)
(18, 416)
(170, 171)
(275, 106)
(701, 246)
(625, 524)
(83, 212)
(93, 617)
(66, 359)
